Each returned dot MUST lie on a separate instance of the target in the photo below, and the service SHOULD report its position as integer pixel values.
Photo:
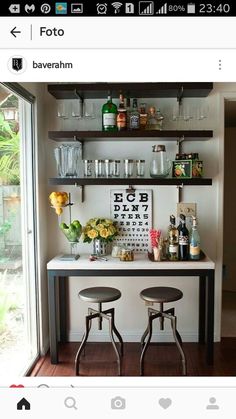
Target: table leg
(210, 316)
(52, 318)
(62, 308)
(202, 310)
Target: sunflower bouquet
(99, 228)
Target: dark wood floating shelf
(138, 90)
(130, 181)
(129, 135)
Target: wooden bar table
(59, 271)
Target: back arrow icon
(14, 31)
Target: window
(18, 302)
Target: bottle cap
(182, 217)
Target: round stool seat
(161, 294)
(99, 294)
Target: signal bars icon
(162, 10)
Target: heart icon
(16, 386)
(165, 403)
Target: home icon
(23, 404)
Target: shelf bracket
(179, 143)
(130, 189)
(179, 192)
(78, 95)
(180, 95)
(81, 189)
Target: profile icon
(212, 404)
(17, 64)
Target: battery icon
(191, 9)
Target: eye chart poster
(133, 213)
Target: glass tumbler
(129, 167)
(115, 168)
(140, 168)
(99, 168)
(108, 168)
(88, 168)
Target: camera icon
(118, 403)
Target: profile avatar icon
(212, 405)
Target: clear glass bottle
(121, 119)
(194, 242)
(183, 239)
(173, 240)
(160, 166)
(109, 112)
(134, 118)
(155, 119)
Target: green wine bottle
(109, 112)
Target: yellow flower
(109, 222)
(100, 227)
(111, 230)
(92, 234)
(104, 233)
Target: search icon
(70, 402)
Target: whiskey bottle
(134, 119)
(121, 119)
(109, 112)
(183, 239)
(173, 239)
(194, 242)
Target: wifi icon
(117, 6)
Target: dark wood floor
(161, 360)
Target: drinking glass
(89, 111)
(108, 168)
(140, 168)
(115, 168)
(99, 168)
(88, 168)
(129, 167)
(77, 108)
(62, 109)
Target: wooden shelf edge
(131, 135)
(131, 181)
(139, 90)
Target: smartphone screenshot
(117, 207)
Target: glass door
(18, 307)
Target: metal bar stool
(161, 295)
(100, 295)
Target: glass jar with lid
(126, 255)
(160, 165)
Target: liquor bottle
(183, 239)
(194, 242)
(155, 119)
(109, 112)
(173, 239)
(143, 116)
(121, 119)
(134, 119)
(128, 109)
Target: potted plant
(100, 231)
